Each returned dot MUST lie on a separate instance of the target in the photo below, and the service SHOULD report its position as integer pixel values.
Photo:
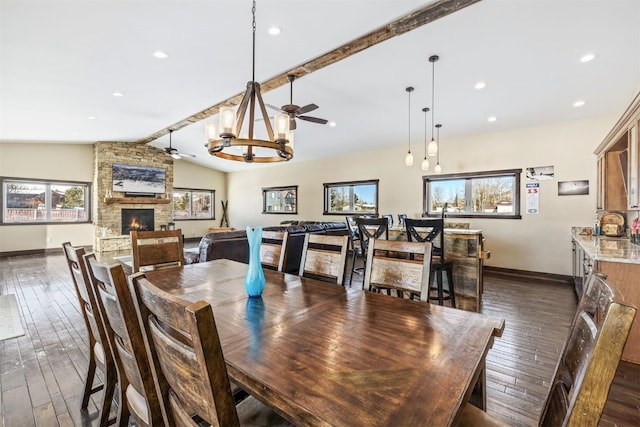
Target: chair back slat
(184, 347)
(401, 272)
(125, 338)
(157, 249)
(325, 256)
(273, 249)
(590, 357)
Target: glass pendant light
(408, 159)
(438, 168)
(425, 161)
(433, 145)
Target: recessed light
(587, 57)
(492, 119)
(332, 124)
(117, 94)
(274, 31)
(480, 85)
(579, 103)
(160, 54)
(92, 117)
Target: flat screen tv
(142, 180)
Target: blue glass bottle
(254, 282)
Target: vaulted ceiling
(62, 60)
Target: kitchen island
(619, 260)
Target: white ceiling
(60, 61)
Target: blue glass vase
(254, 282)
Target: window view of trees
(193, 204)
(43, 201)
(487, 194)
(359, 197)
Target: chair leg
(353, 267)
(440, 289)
(107, 398)
(88, 380)
(452, 292)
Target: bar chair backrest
(273, 250)
(126, 341)
(324, 256)
(372, 228)
(157, 249)
(587, 364)
(401, 271)
(99, 353)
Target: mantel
(136, 201)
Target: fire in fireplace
(137, 220)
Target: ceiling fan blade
(186, 155)
(292, 124)
(306, 108)
(273, 107)
(314, 119)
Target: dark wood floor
(41, 372)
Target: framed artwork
(573, 188)
(280, 200)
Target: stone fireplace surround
(107, 205)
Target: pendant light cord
(433, 85)
(253, 68)
(409, 90)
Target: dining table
(321, 354)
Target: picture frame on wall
(573, 188)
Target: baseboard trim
(49, 251)
(560, 278)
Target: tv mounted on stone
(138, 181)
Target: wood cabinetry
(618, 186)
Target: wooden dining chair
(324, 257)
(432, 230)
(99, 352)
(391, 266)
(588, 362)
(184, 348)
(157, 249)
(136, 388)
(273, 249)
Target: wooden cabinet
(618, 186)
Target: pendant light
(425, 161)
(408, 159)
(433, 145)
(438, 169)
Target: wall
(534, 243)
(75, 162)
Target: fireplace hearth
(137, 220)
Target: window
(353, 197)
(280, 200)
(31, 201)
(193, 204)
(494, 194)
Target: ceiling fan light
(408, 159)
(291, 139)
(227, 122)
(432, 149)
(425, 164)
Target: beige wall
(74, 162)
(534, 243)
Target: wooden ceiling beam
(395, 28)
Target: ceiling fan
(173, 152)
(296, 112)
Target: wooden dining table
(323, 355)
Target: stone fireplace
(109, 206)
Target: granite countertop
(611, 249)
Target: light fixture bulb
(227, 120)
(425, 164)
(438, 169)
(408, 159)
(211, 129)
(281, 126)
(432, 149)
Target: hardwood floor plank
(20, 413)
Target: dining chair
(324, 257)
(391, 266)
(432, 230)
(587, 364)
(157, 249)
(389, 218)
(273, 250)
(369, 228)
(184, 348)
(99, 353)
(136, 389)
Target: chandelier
(225, 138)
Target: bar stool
(434, 228)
